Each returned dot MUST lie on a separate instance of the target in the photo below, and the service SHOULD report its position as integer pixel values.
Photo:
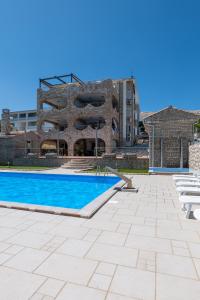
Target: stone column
(5, 122)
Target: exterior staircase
(78, 164)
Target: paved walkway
(138, 246)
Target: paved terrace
(138, 246)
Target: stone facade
(170, 133)
(75, 111)
(194, 156)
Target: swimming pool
(61, 191)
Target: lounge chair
(188, 183)
(196, 214)
(191, 179)
(187, 201)
(188, 190)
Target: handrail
(123, 177)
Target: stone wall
(170, 133)
(194, 156)
(127, 163)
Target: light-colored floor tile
(75, 247)
(176, 288)
(134, 283)
(176, 265)
(67, 268)
(51, 287)
(17, 284)
(101, 282)
(195, 249)
(181, 251)
(4, 246)
(112, 238)
(180, 235)
(30, 239)
(98, 224)
(128, 219)
(148, 243)
(37, 296)
(69, 231)
(197, 265)
(106, 269)
(143, 230)
(5, 233)
(113, 254)
(77, 292)
(4, 257)
(13, 249)
(112, 296)
(27, 260)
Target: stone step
(78, 164)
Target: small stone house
(170, 133)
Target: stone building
(82, 118)
(18, 121)
(170, 133)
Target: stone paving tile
(77, 292)
(124, 228)
(112, 238)
(180, 235)
(67, 268)
(98, 224)
(176, 265)
(181, 251)
(147, 260)
(101, 282)
(194, 249)
(27, 259)
(113, 254)
(134, 283)
(149, 243)
(17, 284)
(4, 246)
(4, 257)
(51, 287)
(143, 230)
(14, 249)
(5, 233)
(128, 219)
(74, 247)
(69, 231)
(37, 296)
(112, 296)
(30, 239)
(176, 288)
(106, 269)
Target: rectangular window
(32, 115)
(32, 124)
(22, 116)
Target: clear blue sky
(157, 41)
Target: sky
(156, 41)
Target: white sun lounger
(187, 201)
(192, 179)
(196, 214)
(191, 190)
(187, 183)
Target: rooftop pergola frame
(58, 80)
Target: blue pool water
(69, 191)
(168, 170)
